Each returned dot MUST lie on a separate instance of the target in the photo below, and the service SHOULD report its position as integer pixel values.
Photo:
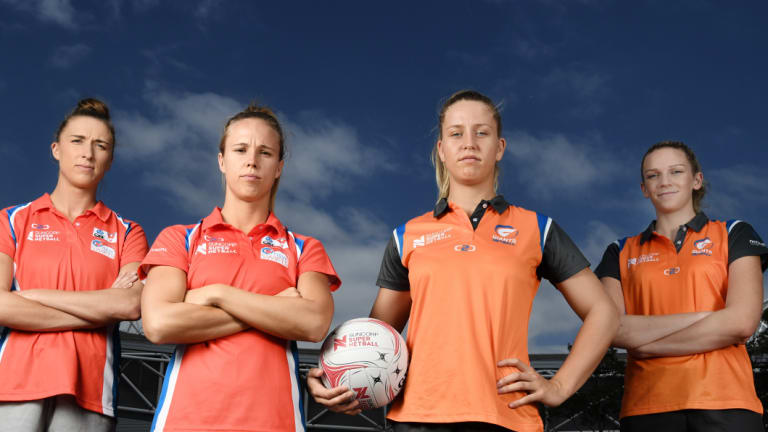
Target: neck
(469, 196)
(667, 224)
(245, 215)
(72, 201)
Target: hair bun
(92, 107)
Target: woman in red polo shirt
(235, 292)
(689, 290)
(464, 277)
(67, 276)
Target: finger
(516, 376)
(525, 400)
(353, 412)
(517, 363)
(520, 386)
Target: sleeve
(392, 273)
(315, 259)
(169, 249)
(135, 246)
(561, 258)
(7, 245)
(744, 241)
(609, 265)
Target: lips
(469, 159)
(250, 177)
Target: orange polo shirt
(660, 276)
(51, 252)
(472, 282)
(248, 381)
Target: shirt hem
(718, 405)
(24, 397)
(473, 417)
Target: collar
(697, 224)
(214, 219)
(45, 203)
(498, 203)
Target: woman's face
(251, 159)
(84, 151)
(669, 180)
(470, 145)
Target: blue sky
(585, 86)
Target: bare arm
(168, 319)
(586, 297)
(637, 330)
(392, 307)
(306, 316)
(19, 313)
(729, 326)
(101, 307)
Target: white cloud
(67, 55)
(554, 164)
(587, 86)
(553, 323)
(58, 12)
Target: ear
(221, 163)
(440, 152)
(55, 150)
(500, 149)
(279, 169)
(645, 191)
(698, 180)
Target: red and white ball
(368, 356)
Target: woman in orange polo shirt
(235, 292)
(67, 276)
(689, 290)
(463, 276)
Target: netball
(368, 356)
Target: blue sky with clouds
(585, 87)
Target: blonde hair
(264, 113)
(441, 173)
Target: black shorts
(448, 427)
(728, 420)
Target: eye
(239, 149)
(454, 134)
(481, 133)
(651, 176)
(266, 153)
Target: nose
(88, 150)
(468, 141)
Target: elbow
(130, 311)
(744, 329)
(155, 331)
(316, 329)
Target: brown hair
(264, 113)
(441, 174)
(89, 107)
(698, 194)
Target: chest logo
(505, 234)
(702, 247)
(428, 239)
(465, 248)
(671, 271)
(276, 243)
(40, 226)
(645, 258)
(98, 246)
(105, 235)
(212, 248)
(43, 236)
(269, 254)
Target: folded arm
(731, 325)
(306, 315)
(166, 318)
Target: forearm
(101, 307)
(19, 313)
(717, 330)
(637, 330)
(188, 323)
(293, 318)
(591, 343)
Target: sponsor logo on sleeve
(505, 234)
(105, 235)
(159, 250)
(645, 258)
(756, 243)
(275, 243)
(269, 254)
(433, 237)
(99, 247)
(702, 247)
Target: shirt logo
(208, 238)
(105, 235)
(99, 247)
(465, 248)
(702, 247)
(269, 254)
(428, 239)
(44, 236)
(671, 271)
(269, 241)
(40, 226)
(216, 248)
(756, 243)
(645, 258)
(506, 234)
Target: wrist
(215, 294)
